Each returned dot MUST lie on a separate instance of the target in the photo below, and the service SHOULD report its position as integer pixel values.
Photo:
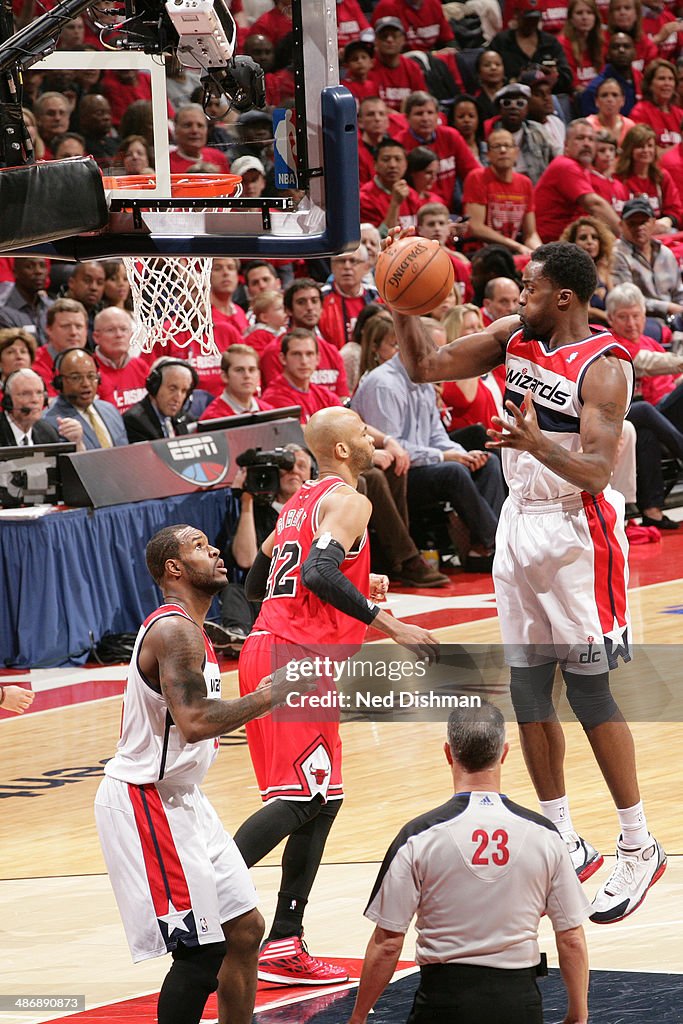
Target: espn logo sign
(183, 449)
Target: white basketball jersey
(151, 747)
(555, 378)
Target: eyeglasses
(114, 330)
(78, 378)
(517, 104)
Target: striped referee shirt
(478, 872)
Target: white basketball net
(171, 301)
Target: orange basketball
(414, 275)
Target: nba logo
(285, 149)
(203, 925)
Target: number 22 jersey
(289, 609)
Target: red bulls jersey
(289, 609)
(554, 377)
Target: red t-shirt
(207, 365)
(350, 22)
(652, 22)
(238, 318)
(374, 205)
(219, 408)
(426, 25)
(666, 126)
(122, 94)
(126, 386)
(393, 85)
(260, 338)
(179, 164)
(43, 366)
(339, 315)
(554, 16)
(557, 195)
(672, 161)
(280, 87)
(611, 190)
(450, 60)
(456, 159)
(507, 203)
(366, 163)
(330, 373)
(273, 24)
(464, 413)
(583, 70)
(665, 199)
(281, 393)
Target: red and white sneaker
(288, 962)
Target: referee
(479, 872)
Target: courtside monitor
(250, 419)
(30, 475)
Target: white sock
(633, 825)
(558, 812)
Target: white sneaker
(637, 869)
(585, 858)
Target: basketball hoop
(172, 294)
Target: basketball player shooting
(312, 574)
(560, 570)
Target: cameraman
(256, 521)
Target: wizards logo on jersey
(548, 388)
(200, 459)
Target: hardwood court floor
(60, 930)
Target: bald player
(313, 576)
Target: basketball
(414, 275)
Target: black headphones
(57, 381)
(156, 376)
(7, 403)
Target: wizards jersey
(289, 609)
(151, 748)
(554, 377)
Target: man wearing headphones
(76, 380)
(159, 414)
(23, 402)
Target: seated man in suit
(76, 380)
(23, 402)
(159, 414)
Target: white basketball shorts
(176, 873)
(560, 574)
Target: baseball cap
(533, 75)
(513, 89)
(384, 23)
(530, 7)
(247, 163)
(638, 205)
(357, 44)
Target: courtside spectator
(122, 376)
(26, 303)
(242, 383)
(191, 131)
(345, 296)
(388, 201)
(393, 75)
(293, 386)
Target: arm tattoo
(611, 417)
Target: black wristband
(321, 574)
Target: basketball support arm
(336, 136)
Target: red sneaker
(287, 962)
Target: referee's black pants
(466, 994)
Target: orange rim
(183, 186)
